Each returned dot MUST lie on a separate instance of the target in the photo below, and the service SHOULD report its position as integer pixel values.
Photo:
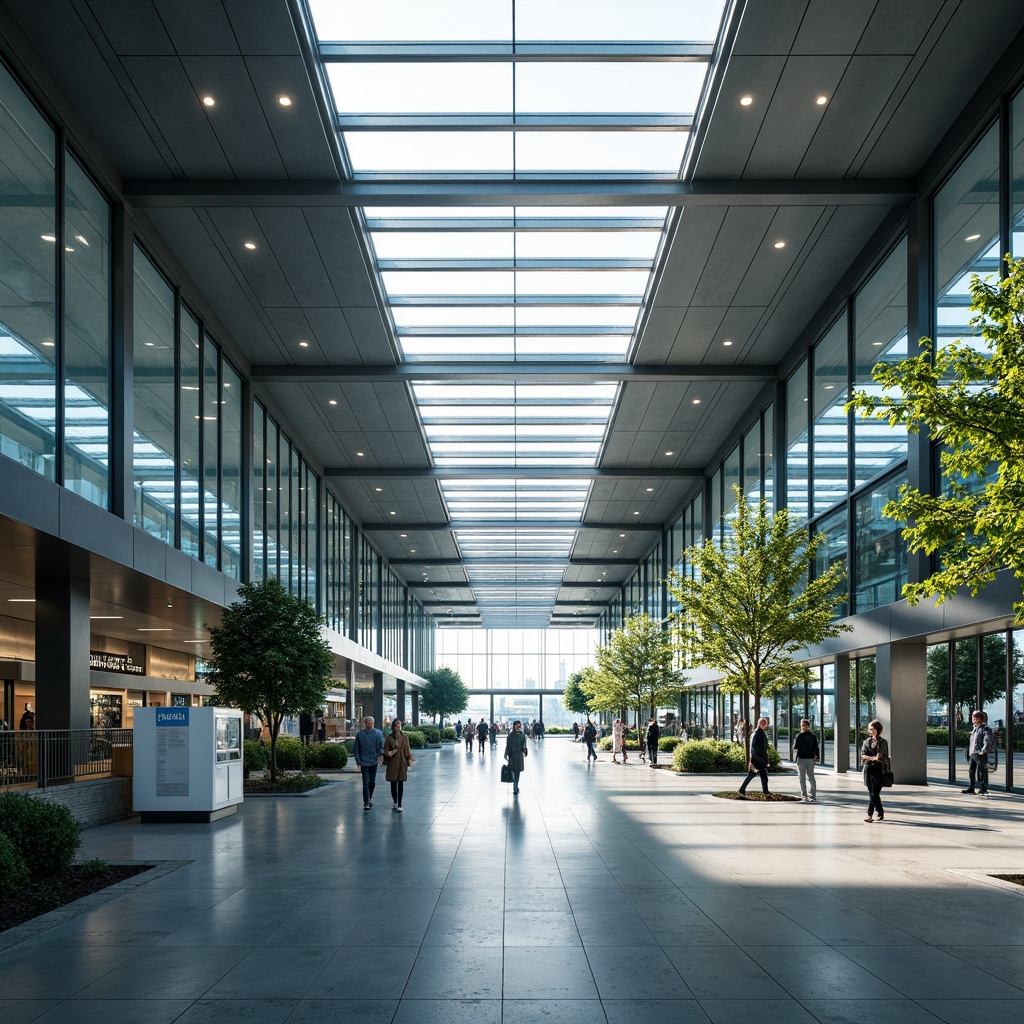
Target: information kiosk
(188, 763)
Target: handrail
(48, 757)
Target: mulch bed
(1016, 879)
(779, 798)
(297, 782)
(50, 893)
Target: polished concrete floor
(603, 894)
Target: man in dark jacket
(482, 732)
(653, 735)
(368, 751)
(758, 758)
(590, 737)
(806, 752)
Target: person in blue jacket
(369, 752)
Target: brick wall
(94, 802)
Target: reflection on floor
(606, 894)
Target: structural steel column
(62, 651)
(415, 695)
(901, 697)
(841, 718)
(350, 695)
(378, 698)
(400, 700)
(491, 719)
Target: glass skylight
(498, 91)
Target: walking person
(482, 733)
(981, 745)
(805, 747)
(398, 757)
(368, 751)
(758, 765)
(515, 753)
(575, 732)
(652, 737)
(875, 756)
(590, 738)
(619, 740)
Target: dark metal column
(400, 699)
(378, 698)
(62, 650)
(841, 719)
(415, 698)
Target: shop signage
(123, 663)
(172, 752)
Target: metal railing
(37, 758)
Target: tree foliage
(445, 693)
(751, 605)
(969, 397)
(639, 658)
(270, 658)
(574, 698)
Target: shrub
(290, 754)
(430, 732)
(300, 783)
(716, 756)
(94, 868)
(255, 756)
(46, 836)
(668, 743)
(13, 872)
(417, 741)
(448, 735)
(605, 743)
(554, 730)
(327, 756)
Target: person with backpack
(590, 738)
(982, 745)
(652, 737)
(806, 754)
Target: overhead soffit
(135, 74)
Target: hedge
(255, 756)
(417, 741)
(669, 743)
(431, 733)
(448, 734)
(716, 757)
(13, 872)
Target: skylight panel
(424, 348)
(434, 152)
(688, 20)
(449, 282)
(625, 87)
(422, 88)
(656, 153)
(412, 20)
(576, 316)
(453, 316)
(586, 244)
(443, 244)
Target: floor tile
(448, 1011)
(548, 972)
(466, 972)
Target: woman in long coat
(874, 755)
(515, 753)
(397, 758)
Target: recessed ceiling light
(150, 344)
(195, 641)
(615, 551)
(696, 401)
(392, 513)
(106, 616)
(403, 535)
(821, 101)
(250, 245)
(830, 387)
(48, 344)
(332, 401)
(780, 245)
(745, 101)
(726, 343)
(670, 453)
(303, 344)
(412, 551)
(622, 535)
(649, 489)
(878, 344)
(21, 600)
(153, 629)
(84, 241)
(636, 513)
(208, 101)
(360, 454)
(285, 101)
(969, 238)
(378, 489)
(48, 238)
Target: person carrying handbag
(875, 756)
(397, 757)
(515, 753)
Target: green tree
(993, 673)
(270, 658)
(752, 605)
(604, 692)
(640, 657)
(574, 698)
(444, 694)
(969, 396)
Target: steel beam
(567, 371)
(525, 561)
(517, 472)
(574, 191)
(509, 526)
